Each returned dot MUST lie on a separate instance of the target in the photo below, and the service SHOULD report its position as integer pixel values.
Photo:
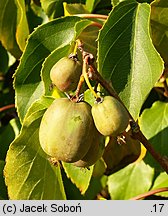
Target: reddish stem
(149, 193)
(97, 16)
(97, 25)
(7, 107)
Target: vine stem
(89, 16)
(97, 25)
(7, 107)
(75, 48)
(149, 193)
(136, 132)
(96, 16)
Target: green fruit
(95, 151)
(66, 130)
(110, 117)
(65, 74)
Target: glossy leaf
(3, 189)
(13, 26)
(22, 30)
(28, 172)
(103, 7)
(159, 26)
(35, 15)
(96, 186)
(160, 182)
(53, 8)
(116, 2)
(154, 125)
(126, 55)
(42, 42)
(89, 38)
(72, 9)
(131, 181)
(7, 135)
(79, 176)
(88, 97)
(91, 4)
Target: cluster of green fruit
(73, 131)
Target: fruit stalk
(80, 83)
(84, 72)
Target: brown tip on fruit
(99, 100)
(73, 56)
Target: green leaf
(131, 181)
(159, 26)
(15, 123)
(22, 30)
(72, 9)
(91, 4)
(79, 176)
(3, 189)
(88, 97)
(116, 2)
(103, 7)
(72, 192)
(126, 55)
(96, 186)
(53, 8)
(35, 15)
(154, 125)
(28, 172)
(160, 182)
(7, 135)
(13, 26)
(89, 38)
(42, 42)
